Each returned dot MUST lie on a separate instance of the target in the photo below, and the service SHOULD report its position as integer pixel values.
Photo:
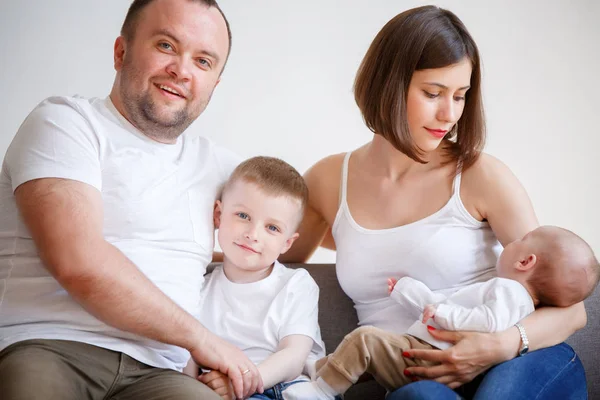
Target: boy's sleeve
(504, 303)
(302, 309)
(55, 141)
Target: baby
(254, 302)
(549, 266)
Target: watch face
(523, 351)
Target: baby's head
(261, 207)
(556, 266)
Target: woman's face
(435, 102)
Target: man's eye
(165, 46)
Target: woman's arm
(503, 202)
(323, 181)
(491, 192)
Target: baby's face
(255, 227)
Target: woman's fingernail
(431, 328)
(405, 354)
(407, 372)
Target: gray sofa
(337, 317)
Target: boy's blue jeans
(274, 393)
(551, 373)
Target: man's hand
(391, 283)
(218, 355)
(429, 312)
(219, 382)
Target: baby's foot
(315, 390)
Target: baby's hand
(391, 283)
(429, 312)
(219, 382)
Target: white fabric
(446, 250)
(489, 306)
(256, 316)
(158, 204)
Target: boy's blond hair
(567, 271)
(273, 176)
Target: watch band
(524, 340)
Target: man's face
(167, 72)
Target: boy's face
(255, 227)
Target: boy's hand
(219, 382)
(391, 283)
(429, 312)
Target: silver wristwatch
(524, 341)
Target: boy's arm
(502, 307)
(287, 362)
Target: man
(106, 224)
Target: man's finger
(237, 381)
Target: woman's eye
(459, 98)
(430, 95)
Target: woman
(420, 199)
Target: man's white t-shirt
(256, 316)
(158, 204)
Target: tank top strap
(344, 180)
(456, 183)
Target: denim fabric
(274, 393)
(551, 373)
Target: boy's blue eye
(273, 228)
(243, 215)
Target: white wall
(287, 88)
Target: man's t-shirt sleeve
(56, 140)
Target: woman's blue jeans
(551, 373)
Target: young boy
(549, 266)
(254, 302)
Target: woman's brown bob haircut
(421, 38)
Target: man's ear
(217, 214)
(289, 242)
(527, 263)
(119, 52)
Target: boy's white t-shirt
(256, 316)
(158, 204)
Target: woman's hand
(471, 354)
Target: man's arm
(287, 362)
(65, 218)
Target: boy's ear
(289, 242)
(217, 214)
(527, 263)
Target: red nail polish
(431, 328)
(405, 354)
(407, 372)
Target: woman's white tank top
(446, 251)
